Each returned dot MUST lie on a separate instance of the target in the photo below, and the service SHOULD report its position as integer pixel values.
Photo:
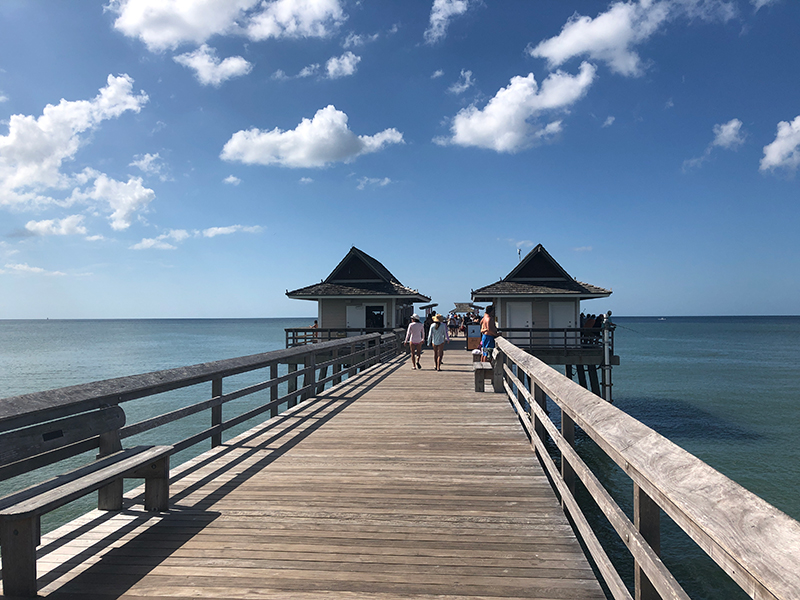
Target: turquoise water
(724, 388)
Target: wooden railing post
(497, 372)
(541, 399)
(568, 433)
(647, 519)
(273, 391)
(216, 412)
(310, 376)
(337, 367)
(292, 383)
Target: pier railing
(566, 338)
(300, 336)
(755, 543)
(309, 368)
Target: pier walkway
(394, 484)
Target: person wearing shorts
(488, 333)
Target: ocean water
(724, 388)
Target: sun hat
(415, 317)
(438, 318)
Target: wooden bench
(482, 371)
(43, 443)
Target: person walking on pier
(437, 336)
(415, 335)
(488, 333)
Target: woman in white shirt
(437, 336)
(415, 335)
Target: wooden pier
(395, 484)
(376, 481)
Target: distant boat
(662, 319)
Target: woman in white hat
(415, 335)
(437, 336)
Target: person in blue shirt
(437, 337)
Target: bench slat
(60, 490)
(31, 441)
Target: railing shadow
(290, 428)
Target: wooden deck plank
(397, 484)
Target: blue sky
(196, 159)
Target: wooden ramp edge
(396, 484)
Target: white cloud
(306, 180)
(309, 71)
(759, 4)
(437, 73)
(166, 24)
(342, 66)
(356, 41)
(124, 199)
(209, 70)
(726, 135)
(463, 84)
(215, 231)
(20, 268)
(784, 152)
(508, 122)
(72, 225)
(609, 121)
(152, 164)
(583, 249)
(35, 149)
(611, 37)
(161, 242)
(232, 180)
(378, 182)
(3, 97)
(442, 12)
(313, 143)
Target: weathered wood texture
(395, 484)
(754, 542)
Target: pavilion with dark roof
(539, 293)
(360, 293)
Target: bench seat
(20, 512)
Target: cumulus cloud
(784, 152)
(124, 199)
(72, 225)
(342, 66)
(442, 12)
(152, 164)
(315, 142)
(232, 180)
(509, 122)
(437, 73)
(35, 150)
(726, 135)
(209, 70)
(609, 121)
(463, 84)
(166, 24)
(611, 37)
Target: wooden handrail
(356, 353)
(751, 540)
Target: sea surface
(727, 389)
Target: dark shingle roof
(515, 288)
(358, 274)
